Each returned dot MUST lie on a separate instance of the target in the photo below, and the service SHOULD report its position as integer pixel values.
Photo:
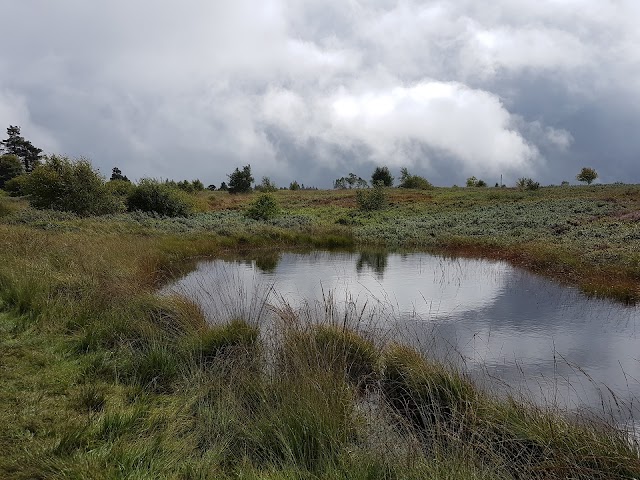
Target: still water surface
(508, 328)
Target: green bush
(531, 185)
(197, 185)
(152, 196)
(15, 186)
(120, 188)
(69, 186)
(266, 186)
(413, 181)
(474, 182)
(10, 167)
(375, 199)
(264, 207)
(525, 183)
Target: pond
(509, 329)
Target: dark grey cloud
(311, 90)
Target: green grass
(100, 378)
(588, 235)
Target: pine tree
(116, 174)
(381, 174)
(16, 145)
(240, 181)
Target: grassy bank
(586, 236)
(101, 379)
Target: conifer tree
(16, 145)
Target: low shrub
(152, 196)
(369, 200)
(474, 182)
(15, 186)
(264, 207)
(413, 181)
(525, 183)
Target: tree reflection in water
(375, 260)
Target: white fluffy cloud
(448, 88)
(469, 126)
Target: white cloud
(472, 127)
(525, 49)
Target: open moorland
(102, 378)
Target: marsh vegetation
(103, 378)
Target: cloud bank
(312, 90)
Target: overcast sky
(313, 90)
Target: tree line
(73, 185)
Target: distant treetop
(15, 144)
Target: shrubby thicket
(373, 199)
(69, 186)
(474, 182)
(525, 183)
(417, 182)
(74, 186)
(153, 196)
(266, 186)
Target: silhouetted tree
(116, 174)
(16, 145)
(382, 174)
(240, 181)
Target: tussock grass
(101, 378)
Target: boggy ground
(102, 379)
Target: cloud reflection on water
(535, 335)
